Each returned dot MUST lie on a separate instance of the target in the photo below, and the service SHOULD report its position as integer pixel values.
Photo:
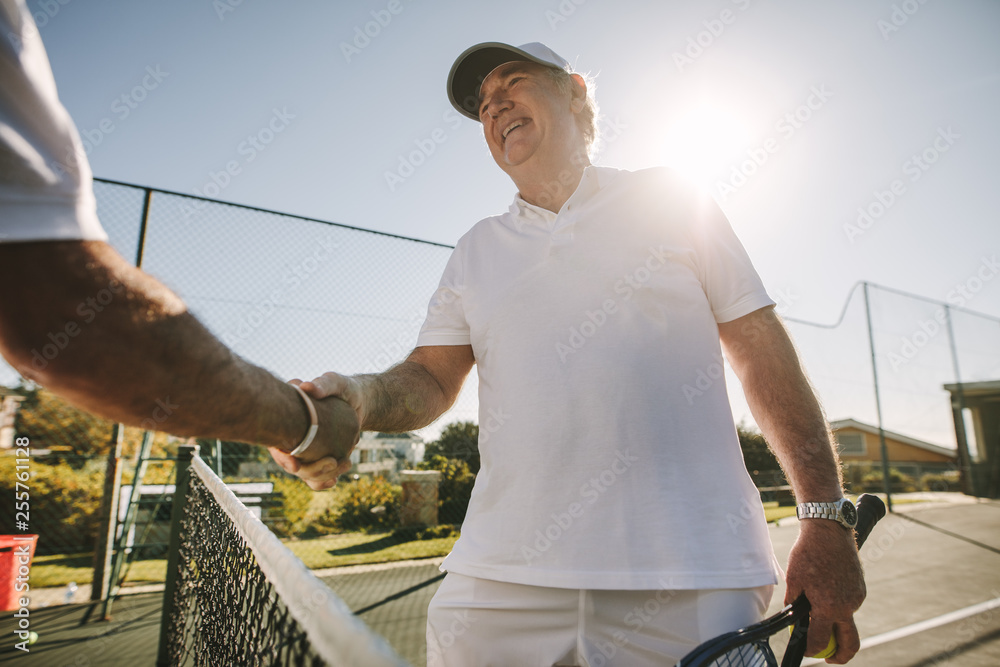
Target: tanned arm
(823, 562)
(78, 319)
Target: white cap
(475, 64)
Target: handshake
(335, 405)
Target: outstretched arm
(76, 318)
(823, 562)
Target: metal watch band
(818, 511)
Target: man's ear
(578, 93)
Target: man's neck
(549, 185)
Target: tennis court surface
(933, 572)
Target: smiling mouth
(513, 126)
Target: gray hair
(587, 120)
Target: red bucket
(16, 552)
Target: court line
(914, 628)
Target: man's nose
(498, 104)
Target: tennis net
(236, 595)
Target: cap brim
(474, 65)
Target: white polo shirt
(45, 180)
(609, 455)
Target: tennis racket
(749, 647)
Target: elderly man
(78, 319)
(613, 521)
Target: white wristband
(313, 427)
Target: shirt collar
(594, 178)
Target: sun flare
(703, 139)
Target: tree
(72, 434)
(459, 440)
(758, 458)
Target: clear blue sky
(840, 104)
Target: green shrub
(455, 488)
(65, 504)
(945, 481)
(901, 482)
(293, 503)
(371, 504)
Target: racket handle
(870, 510)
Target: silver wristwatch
(842, 511)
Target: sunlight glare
(702, 140)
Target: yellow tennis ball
(32, 637)
(830, 649)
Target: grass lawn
(331, 551)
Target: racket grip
(870, 510)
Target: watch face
(849, 512)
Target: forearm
(417, 391)
(81, 321)
(403, 398)
(784, 405)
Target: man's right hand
(339, 405)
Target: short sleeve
(727, 275)
(446, 323)
(46, 190)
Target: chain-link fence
(917, 377)
(297, 296)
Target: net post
(185, 454)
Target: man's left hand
(824, 565)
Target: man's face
(525, 115)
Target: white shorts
(478, 622)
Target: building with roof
(975, 409)
(385, 453)
(860, 443)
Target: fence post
(101, 583)
(181, 484)
(886, 482)
(122, 549)
(147, 204)
(958, 414)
